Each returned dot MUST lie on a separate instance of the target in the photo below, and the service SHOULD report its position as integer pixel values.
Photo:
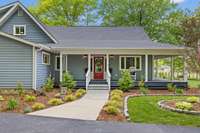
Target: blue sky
(190, 4)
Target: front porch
(105, 68)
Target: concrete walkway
(86, 108)
(15, 123)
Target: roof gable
(17, 5)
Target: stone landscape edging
(139, 95)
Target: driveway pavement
(15, 123)
(86, 108)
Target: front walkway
(86, 108)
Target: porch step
(98, 82)
(98, 87)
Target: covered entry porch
(105, 66)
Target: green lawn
(194, 83)
(146, 110)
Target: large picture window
(45, 58)
(127, 62)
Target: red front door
(98, 68)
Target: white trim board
(48, 54)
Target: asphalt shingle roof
(105, 37)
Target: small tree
(48, 86)
(68, 81)
(126, 81)
(142, 88)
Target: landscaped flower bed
(189, 105)
(29, 101)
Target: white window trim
(56, 58)
(43, 53)
(14, 30)
(120, 58)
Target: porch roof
(105, 38)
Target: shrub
(38, 106)
(179, 91)
(78, 94)
(69, 98)
(20, 88)
(184, 105)
(1, 98)
(48, 86)
(27, 109)
(83, 91)
(55, 101)
(29, 98)
(116, 92)
(111, 110)
(142, 88)
(116, 98)
(193, 99)
(171, 87)
(68, 81)
(114, 103)
(126, 81)
(12, 104)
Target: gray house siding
(43, 71)
(33, 32)
(76, 66)
(15, 63)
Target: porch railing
(88, 78)
(108, 79)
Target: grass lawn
(146, 110)
(194, 83)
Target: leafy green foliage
(27, 109)
(20, 88)
(55, 101)
(184, 105)
(29, 98)
(126, 81)
(171, 87)
(179, 91)
(38, 106)
(116, 98)
(64, 12)
(111, 110)
(80, 92)
(116, 92)
(48, 86)
(69, 98)
(115, 103)
(142, 87)
(193, 99)
(68, 81)
(12, 104)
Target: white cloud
(177, 1)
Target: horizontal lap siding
(43, 71)
(33, 32)
(15, 63)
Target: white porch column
(185, 72)
(89, 62)
(146, 67)
(107, 62)
(61, 67)
(172, 68)
(66, 63)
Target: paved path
(15, 123)
(86, 108)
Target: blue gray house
(95, 56)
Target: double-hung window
(45, 58)
(127, 62)
(19, 30)
(57, 63)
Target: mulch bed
(172, 103)
(120, 117)
(23, 104)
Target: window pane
(17, 30)
(46, 59)
(58, 63)
(138, 63)
(122, 63)
(22, 30)
(130, 62)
